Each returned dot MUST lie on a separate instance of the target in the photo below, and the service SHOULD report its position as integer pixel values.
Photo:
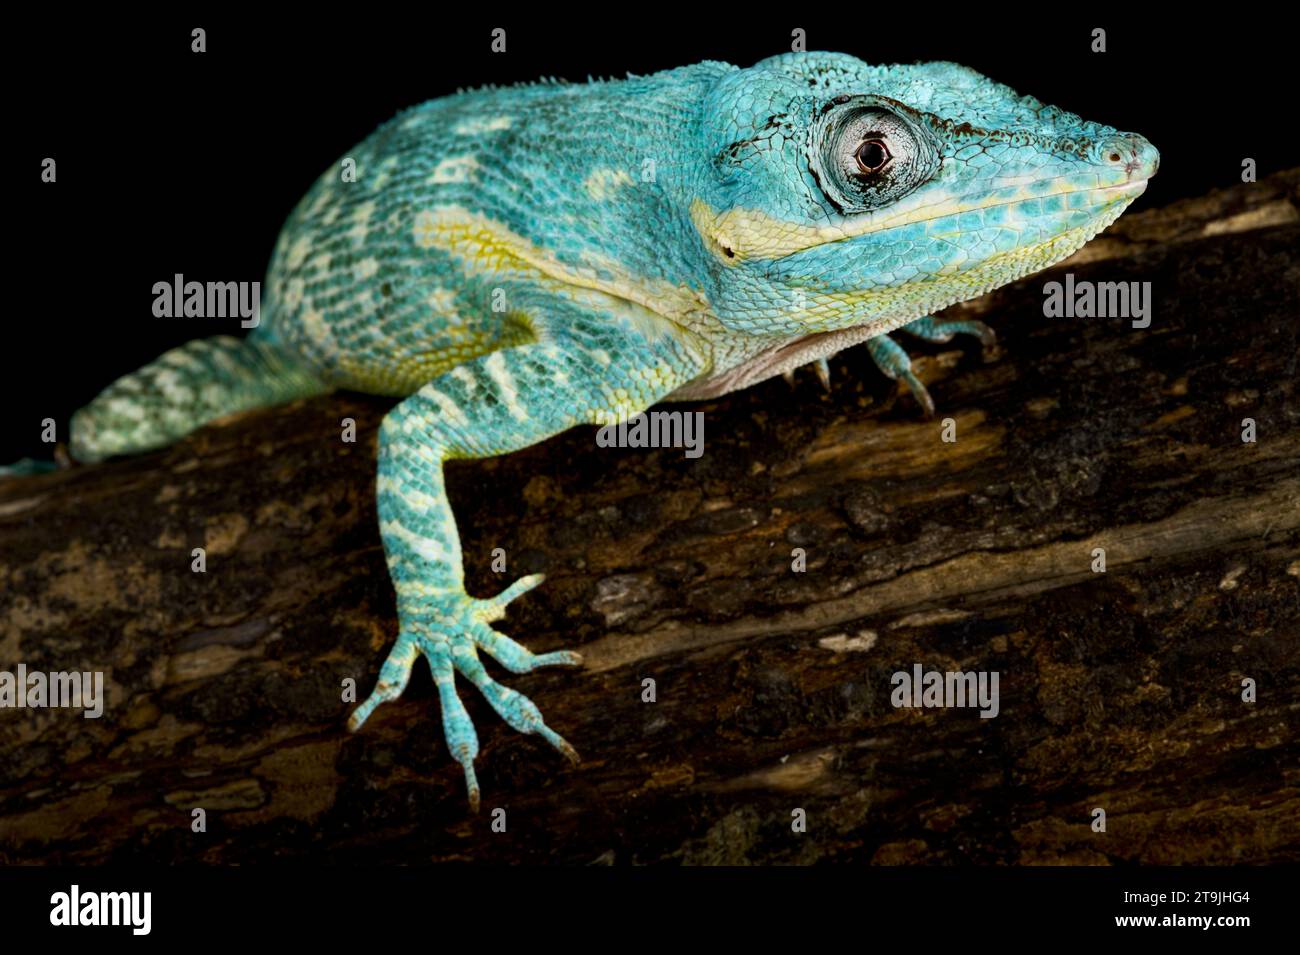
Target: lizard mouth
(1124, 191)
(742, 234)
(1002, 268)
(1131, 189)
(936, 293)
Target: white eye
(865, 156)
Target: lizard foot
(894, 363)
(892, 360)
(942, 330)
(449, 629)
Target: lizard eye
(864, 156)
(872, 156)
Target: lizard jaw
(789, 354)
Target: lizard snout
(1139, 159)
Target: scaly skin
(518, 261)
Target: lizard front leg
(496, 404)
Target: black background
(635, 909)
(171, 161)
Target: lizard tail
(186, 388)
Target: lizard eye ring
(872, 156)
(865, 153)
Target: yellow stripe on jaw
(841, 309)
(739, 235)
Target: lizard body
(514, 262)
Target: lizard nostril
(1129, 152)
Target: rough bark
(1119, 690)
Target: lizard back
(412, 254)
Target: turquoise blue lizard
(514, 262)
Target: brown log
(1119, 690)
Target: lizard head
(844, 196)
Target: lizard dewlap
(514, 262)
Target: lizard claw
(823, 369)
(919, 392)
(448, 630)
(894, 363)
